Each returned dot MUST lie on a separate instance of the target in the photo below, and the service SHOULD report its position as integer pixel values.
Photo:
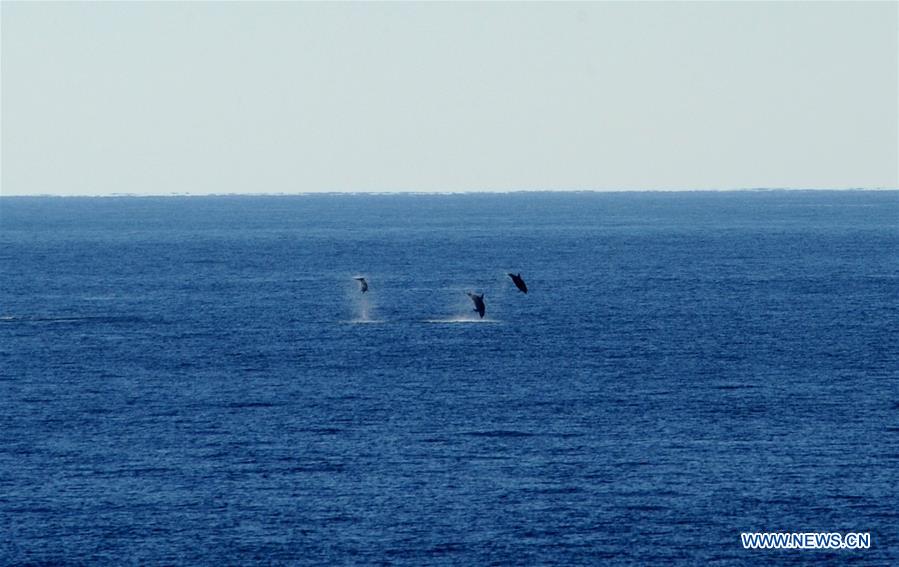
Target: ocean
(200, 380)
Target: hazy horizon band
(444, 193)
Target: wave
(462, 320)
(76, 319)
(499, 433)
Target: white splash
(362, 305)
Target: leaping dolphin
(478, 303)
(519, 283)
(363, 285)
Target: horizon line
(445, 193)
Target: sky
(101, 98)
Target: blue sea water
(198, 380)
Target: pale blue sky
(227, 97)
